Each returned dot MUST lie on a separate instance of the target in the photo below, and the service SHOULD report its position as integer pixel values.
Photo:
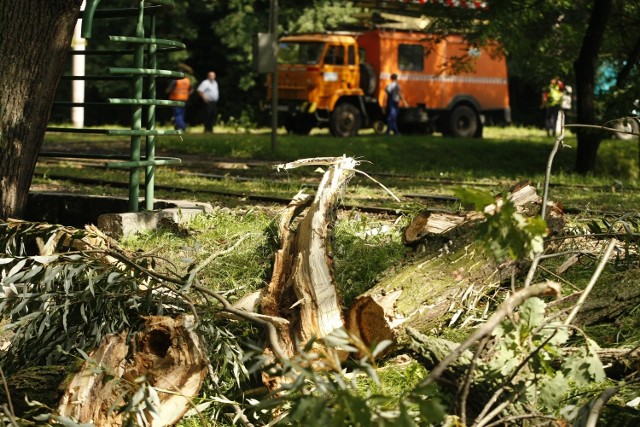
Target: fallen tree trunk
(166, 355)
(453, 274)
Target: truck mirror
(264, 53)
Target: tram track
(264, 172)
(254, 171)
(267, 199)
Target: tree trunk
(455, 272)
(430, 291)
(585, 69)
(35, 36)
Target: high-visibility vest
(555, 95)
(181, 90)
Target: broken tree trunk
(302, 288)
(167, 353)
(453, 274)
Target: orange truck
(338, 80)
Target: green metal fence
(143, 73)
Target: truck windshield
(300, 53)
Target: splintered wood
(302, 288)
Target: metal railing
(143, 73)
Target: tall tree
(35, 36)
(585, 72)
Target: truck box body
(338, 80)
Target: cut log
(167, 352)
(302, 288)
(431, 223)
(523, 196)
(426, 293)
(455, 272)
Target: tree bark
(35, 37)
(585, 70)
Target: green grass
(504, 152)
(505, 156)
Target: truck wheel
(345, 120)
(463, 122)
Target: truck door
(335, 73)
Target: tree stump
(302, 288)
(167, 353)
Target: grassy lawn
(412, 164)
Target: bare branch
(507, 420)
(6, 391)
(598, 404)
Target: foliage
(538, 342)
(506, 232)
(71, 300)
(62, 304)
(316, 390)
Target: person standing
(209, 92)
(551, 102)
(180, 90)
(394, 96)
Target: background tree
(219, 36)
(34, 39)
(574, 40)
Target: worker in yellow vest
(551, 103)
(180, 90)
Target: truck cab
(316, 74)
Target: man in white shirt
(208, 91)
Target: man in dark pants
(394, 96)
(180, 90)
(208, 91)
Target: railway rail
(247, 171)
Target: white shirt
(209, 90)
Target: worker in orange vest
(180, 90)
